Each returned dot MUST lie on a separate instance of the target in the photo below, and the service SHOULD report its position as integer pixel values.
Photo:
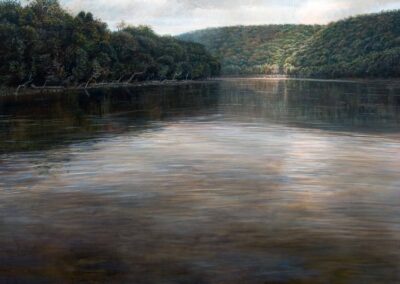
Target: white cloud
(322, 12)
(177, 16)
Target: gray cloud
(176, 16)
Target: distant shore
(287, 77)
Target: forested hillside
(42, 44)
(253, 49)
(362, 46)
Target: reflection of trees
(314, 103)
(43, 121)
(31, 123)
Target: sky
(179, 16)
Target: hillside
(362, 46)
(253, 49)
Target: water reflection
(243, 181)
(353, 106)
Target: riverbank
(8, 91)
(12, 92)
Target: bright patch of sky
(178, 16)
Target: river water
(232, 181)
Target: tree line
(360, 46)
(41, 44)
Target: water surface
(234, 181)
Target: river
(229, 181)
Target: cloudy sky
(177, 16)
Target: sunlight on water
(242, 181)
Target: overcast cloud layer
(178, 16)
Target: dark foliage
(42, 44)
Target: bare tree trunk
(24, 85)
(90, 80)
(176, 74)
(133, 76)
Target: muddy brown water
(234, 181)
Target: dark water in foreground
(244, 181)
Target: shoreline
(294, 78)
(11, 92)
